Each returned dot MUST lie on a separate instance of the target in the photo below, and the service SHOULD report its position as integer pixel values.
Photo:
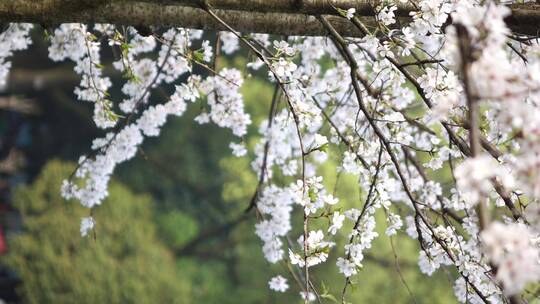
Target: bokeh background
(173, 229)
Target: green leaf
(125, 47)
(312, 195)
(342, 12)
(323, 148)
(198, 56)
(330, 297)
(47, 35)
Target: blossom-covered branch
(431, 105)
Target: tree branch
(155, 14)
(283, 17)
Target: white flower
(510, 247)
(284, 47)
(296, 259)
(13, 38)
(337, 222)
(355, 253)
(394, 223)
(226, 102)
(229, 42)
(350, 13)
(238, 149)
(202, 118)
(207, 51)
(87, 224)
(427, 265)
(284, 68)
(386, 15)
(346, 267)
(352, 214)
(310, 296)
(278, 283)
(319, 141)
(315, 238)
(152, 120)
(330, 199)
(473, 177)
(275, 203)
(349, 163)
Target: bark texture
(284, 17)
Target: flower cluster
(475, 175)
(515, 252)
(316, 250)
(74, 42)
(278, 283)
(115, 148)
(14, 38)
(275, 205)
(225, 101)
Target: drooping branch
(283, 17)
(341, 44)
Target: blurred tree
(123, 263)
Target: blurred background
(173, 229)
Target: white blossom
(87, 225)
(278, 283)
(238, 149)
(350, 13)
(407, 116)
(512, 250)
(337, 222)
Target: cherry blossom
(278, 283)
(435, 119)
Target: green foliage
(176, 228)
(124, 263)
